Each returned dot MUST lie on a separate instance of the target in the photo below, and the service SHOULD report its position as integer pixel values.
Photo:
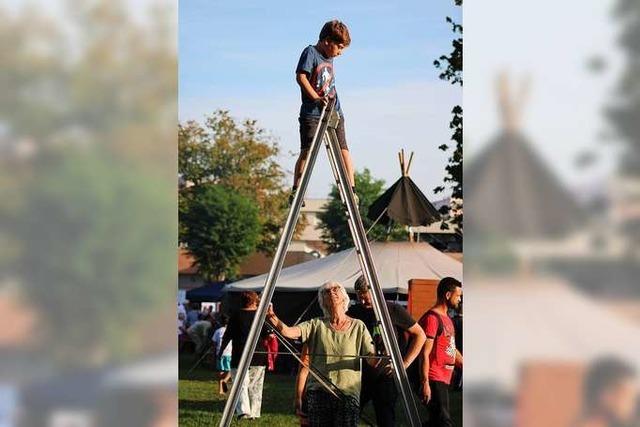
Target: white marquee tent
(516, 321)
(396, 262)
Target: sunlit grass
(201, 405)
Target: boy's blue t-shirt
(320, 73)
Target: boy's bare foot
(292, 195)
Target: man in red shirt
(439, 354)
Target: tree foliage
(333, 221)
(90, 169)
(223, 228)
(451, 64)
(451, 70)
(626, 110)
(95, 251)
(240, 156)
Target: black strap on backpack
(423, 321)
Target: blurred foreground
(88, 215)
(551, 215)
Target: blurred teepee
(509, 190)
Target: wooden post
(409, 164)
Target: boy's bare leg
(349, 165)
(299, 168)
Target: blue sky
(241, 56)
(562, 115)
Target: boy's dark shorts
(308, 127)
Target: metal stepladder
(326, 131)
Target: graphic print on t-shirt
(451, 348)
(323, 81)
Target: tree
(451, 70)
(624, 112)
(241, 156)
(95, 251)
(333, 221)
(91, 220)
(223, 228)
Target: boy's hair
(448, 284)
(336, 32)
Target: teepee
(509, 190)
(403, 202)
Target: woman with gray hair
(336, 343)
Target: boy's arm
(304, 83)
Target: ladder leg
(369, 270)
(333, 162)
(274, 272)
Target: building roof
(259, 263)
(314, 205)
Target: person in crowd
(182, 308)
(336, 343)
(199, 333)
(223, 363)
(250, 400)
(208, 311)
(610, 395)
(181, 322)
(439, 355)
(183, 337)
(381, 389)
(193, 314)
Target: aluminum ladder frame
(326, 131)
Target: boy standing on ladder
(316, 78)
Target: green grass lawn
(201, 405)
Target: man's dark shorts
(308, 127)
